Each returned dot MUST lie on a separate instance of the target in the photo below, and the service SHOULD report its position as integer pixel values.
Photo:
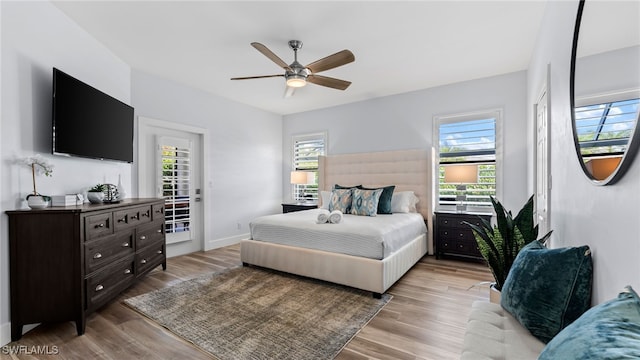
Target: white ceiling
(399, 46)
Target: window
(306, 149)
(604, 129)
(175, 179)
(467, 143)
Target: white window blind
(604, 129)
(464, 141)
(306, 149)
(175, 181)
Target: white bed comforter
(374, 237)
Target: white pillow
(404, 202)
(325, 199)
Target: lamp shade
(300, 177)
(461, 174)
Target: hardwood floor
(425, 319)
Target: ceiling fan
(297, 75)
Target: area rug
(255, 313)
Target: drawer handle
(143, 237)
(99, 288)
(135, 217)
(446, 221)
(126, 244)
(446, 232)
(160, 211)
(159, 231)
(101, 225)
(461, 235)
(460, 246)
(146, 213)
(143, 261)
(159, 251)
(127, 271)
(97, 256)
(123, 219)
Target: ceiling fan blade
(289, 91)
(268, 53)
(329, 82)
(332, 61)
(257, 77)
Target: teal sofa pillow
(610, 330)
(548, 289)
(365, 202)
(384, 204)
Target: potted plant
(500, 244)
(96, 194)
(38, 166)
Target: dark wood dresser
(454, 238)
(65, 262)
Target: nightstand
(454, 238)
(299, 206)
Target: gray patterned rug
(255, 313)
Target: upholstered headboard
(406, 169)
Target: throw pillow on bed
(384, 204)
(340, 200)
(365, 202)
(610, 330)
(548, 289)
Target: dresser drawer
(149, 234)
(103, 285)
(109, 249)
(124, 219)
(157, 212)
(458, 221)
(150, 257)
(98, 225)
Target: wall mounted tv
(89, 123)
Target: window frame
(496, 113)
(295, 189)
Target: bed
(408, 170)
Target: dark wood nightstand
(299, 206)
(454, 238)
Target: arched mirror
(605, 87)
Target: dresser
(66, 262)
(453, 237)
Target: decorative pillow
(340, 200)
(548, 289)
(384, 204)
(336, 186)
(325, 198)
(365, 202)
(610, 330)
(404, 202)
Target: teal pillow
(384, 204)
(548, 289)
(365, 202)
(340, 200)
(610, 330)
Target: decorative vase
(95, 197)
(121, 191)
(494, 294)
(37, 201)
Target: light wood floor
(425, 319)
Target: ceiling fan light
(296, 81)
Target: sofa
(493, 333)
(544, 313)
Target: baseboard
(5, 332)
(218, 243)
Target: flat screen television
(89, 123)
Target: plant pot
(95, 197)
(494, 294)
(37, 201)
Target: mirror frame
(632, 147)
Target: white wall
(604, 217)
(36, 37)
(245, 151)
(405, 121)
